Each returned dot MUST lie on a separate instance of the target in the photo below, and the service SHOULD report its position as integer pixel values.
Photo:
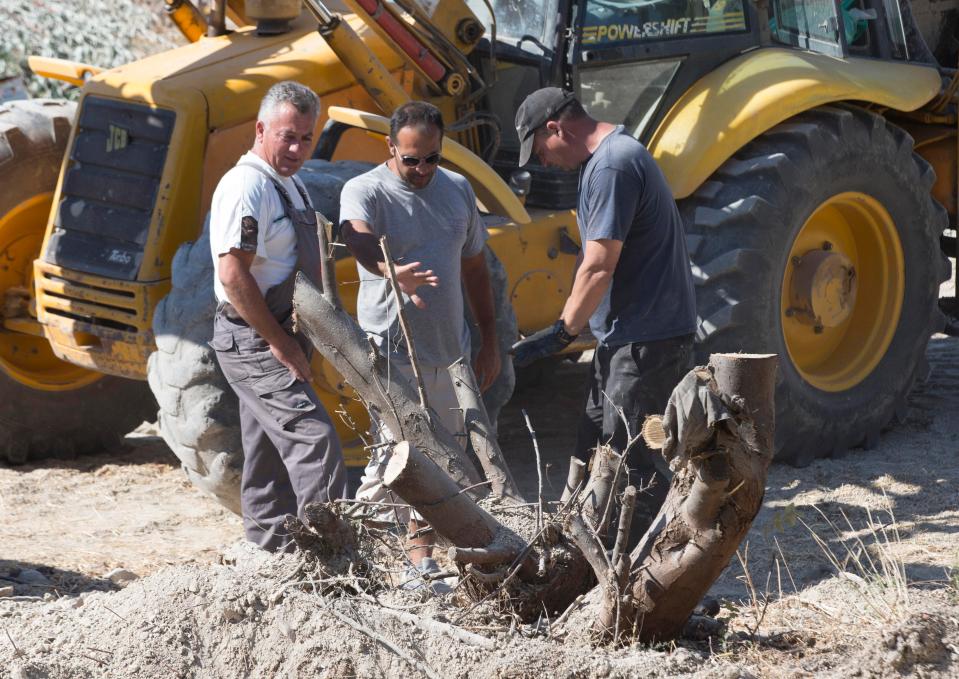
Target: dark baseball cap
(533, 113)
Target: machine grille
(110, 189)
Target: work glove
(541, 344)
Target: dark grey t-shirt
(624, 196)
(437, 225)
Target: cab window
(613, 21)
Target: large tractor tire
(198, 410)
(50, 408)
(819, 241)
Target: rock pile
(104, 33)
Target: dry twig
(436, 626)
(539, 472)
(386, 643)
(404, 325)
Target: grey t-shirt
(624, 196)
(437, 225)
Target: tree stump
(716, 434)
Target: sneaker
(413, 578)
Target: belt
(229, 311)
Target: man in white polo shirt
(262, 231)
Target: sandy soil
(788, 612)
(132, 507)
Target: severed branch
(482, 555)
(481, 432)
(423, 485)
(588, 543)
(574, 479)
(387, 394)
(600, 487)
(327, 270)
(626, 509)
(404, 325)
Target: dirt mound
(255, 614)
(258, 614)
(921, 645)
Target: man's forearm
(246, 298)
(588, 289)
(365, 248)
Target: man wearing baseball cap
(633, 284)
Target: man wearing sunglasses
(429, 218)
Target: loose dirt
(795, 601)
(851, 568)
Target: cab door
(814, 25)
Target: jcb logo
(117, 138)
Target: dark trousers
(291, 453)
(627, 383)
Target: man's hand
(248, 301)
(487, 365)
(546, 342)
(288, 352)
(409, 279)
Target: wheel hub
(823, 288)
(842, 291)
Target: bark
(714, 496)
(481, 432)
(389, 397)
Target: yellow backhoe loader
(811, 145)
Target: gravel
(104, 33)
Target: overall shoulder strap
(284, 196)
(301, 188)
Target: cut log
(451, 512)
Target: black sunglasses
(413, 161)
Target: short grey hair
(301, 97)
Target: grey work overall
(292, 455)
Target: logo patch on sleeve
(249, 234)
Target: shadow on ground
(134, 449)
(36, 580)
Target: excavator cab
(799, 138)
(630, 60)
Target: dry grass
(867, 563)
(771, 632)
